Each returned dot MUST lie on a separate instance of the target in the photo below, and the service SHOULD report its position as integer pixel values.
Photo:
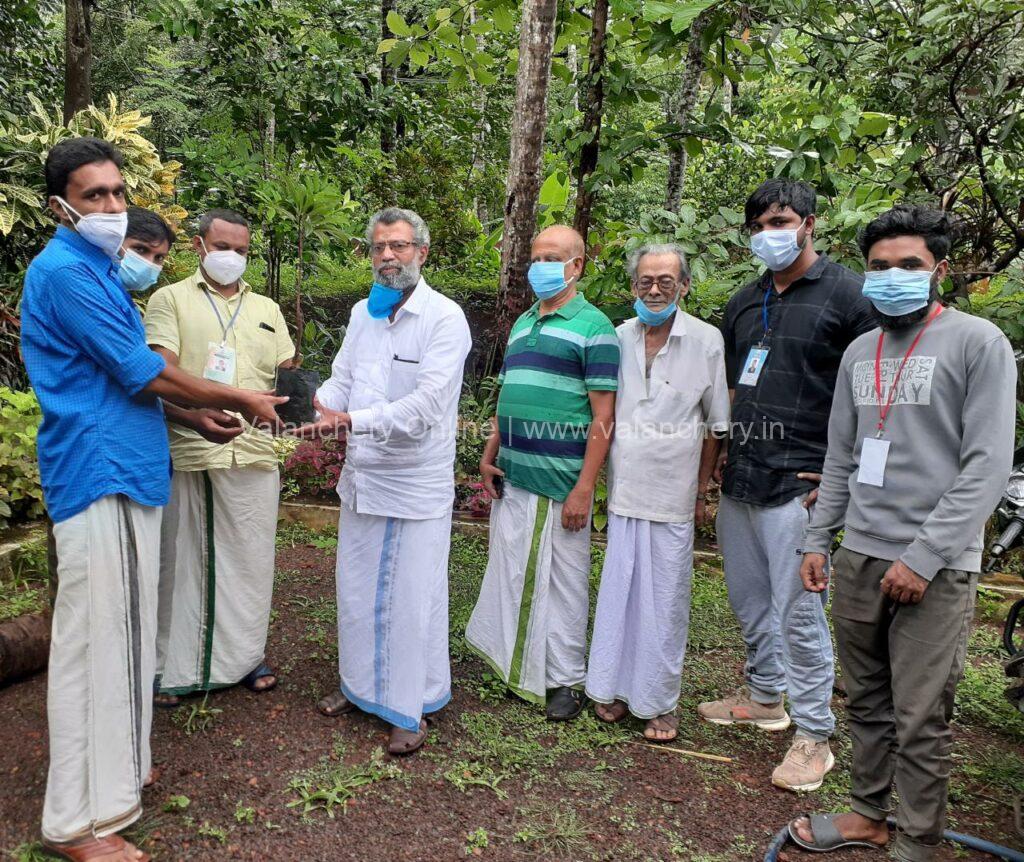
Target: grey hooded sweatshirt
(951, 433)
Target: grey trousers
(789, 647)
(902, 664)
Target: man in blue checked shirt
(105, 469)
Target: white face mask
(104, 230)
(224, 267)
(777, 249)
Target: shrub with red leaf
(314, 467)
(471, 499)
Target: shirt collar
(243, 286)
(95, 259)
(816, 271)
(568, 311)
(417, 299)
(678, 329)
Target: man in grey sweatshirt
(920, 444)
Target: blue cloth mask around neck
(895, 292)
(382, 300)
(547, 277)
(653, 318)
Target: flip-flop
(670, 719)
(91, 848)
(335, 704)
(254, 676)
(405, 742)
(826, 837)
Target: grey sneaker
(805, 765)
(739, 708)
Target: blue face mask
(777, 249)
(382, 300)
(653, 318)
(895, 292)
(547, 277)
(136, 272)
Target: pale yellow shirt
(179, 317)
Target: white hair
(635, 256)
(392, 215)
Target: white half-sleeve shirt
(400, 382)
(660, 421)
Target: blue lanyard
(220, 320)
(764, 313)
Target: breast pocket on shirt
(402, 378)
(671, 406)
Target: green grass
(332, 784)
(20, 596)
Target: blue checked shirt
(86, 355)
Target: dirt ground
(264, 777)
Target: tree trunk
(529, 120)
(572, 60)
(300, 323)
(686, 99)
(77, 58)
(387, 129)
(591, 119)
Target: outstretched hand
(332, 423)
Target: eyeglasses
(397, 246)
(666, 283)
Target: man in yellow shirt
(217, 542)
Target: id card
(753, 365)
(874, 452)
(220, 364)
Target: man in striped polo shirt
(540, 465)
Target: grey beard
(407, 277)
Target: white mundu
(400, 382)
(104, 628)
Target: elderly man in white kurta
(673, 404)
(394, 389)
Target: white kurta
(530, 621)
(99, 690)
(400, 382)
(643, 616)
(216, 577)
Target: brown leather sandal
(668, 722)
(95, 848)
(407, 741)
(335, 704)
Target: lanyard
(883, 412)
(220, 320)
(764, 312)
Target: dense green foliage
(21, 495)
(307, 115)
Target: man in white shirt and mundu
(671, 410)
(394, 390)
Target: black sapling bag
(300, 386)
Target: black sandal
(254, 676)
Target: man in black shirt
(785, 334)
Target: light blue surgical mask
(654, 318)
(547, 277)
(895, 292)
(777, 249)
(382, 300)
(137, 273)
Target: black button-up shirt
(780, 425)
